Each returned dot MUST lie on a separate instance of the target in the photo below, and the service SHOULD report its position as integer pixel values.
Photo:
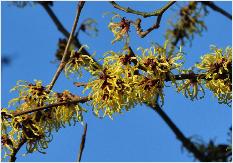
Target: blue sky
(30, 37)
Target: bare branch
(140, 31)
(216, 8)
(144, 14)
(82, 144)
(80, 84)
(58, 24)
(137, 23)
(65, 55)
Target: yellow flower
(111, 89)
(34, 95)
(38, 126)
(120, 29)
(158, 63)
(109, 92)
(119, 85)
(218, 69)
(76, 61)
(148, 88)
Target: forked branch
(144, 14)
(137, 23)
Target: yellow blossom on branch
(191, 88)
(218, 69)
(119, 29)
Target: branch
(62, 29)
(187, 76)
(179, 135)
(137, 23)
(65, 55)
(216, 8)
(75, 101)
(17, 113)
(80, 84)
(144, 14)
(60, 68)
(142, 33)
(16, 149)
(176, 77)
(82, 144)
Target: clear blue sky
(30, 37)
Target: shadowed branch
(179, 135)
(82, 144)
(216, 8)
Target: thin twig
(80, 84)
(216, 8)
(137, 23)
(144, 14)
(65, 55)
(75, 101)
(82, 144)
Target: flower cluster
(119, 29)
(36, 128)
(120, 85)
(76, 61)
(112, 87)
(32, 95)
(218, 69)
(14, 129)
(189, 23)
(158, 67)
(157, 62)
